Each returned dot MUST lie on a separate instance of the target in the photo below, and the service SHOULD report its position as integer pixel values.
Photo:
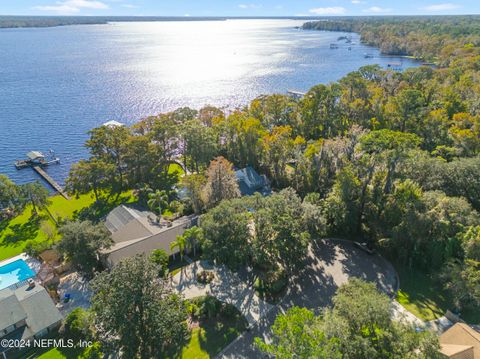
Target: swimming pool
(14, 272)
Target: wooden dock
(51, 181)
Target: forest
(50, 21)
(431, 38)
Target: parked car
(366, 247)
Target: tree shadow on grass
(219, 332)
(23, 231)
(420, 289)
(100, 209)
(3, 225)
(176, 351)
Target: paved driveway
(75, 285)
(226, 287)
(329, 264)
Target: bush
(33, 248)
(205, 277)
(229, 311)
(92, 352)
(176, 207)
(160, 258)
(205, 307)
(270, 284)
(78, 325)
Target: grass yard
(57, 354)
(210, 339)
(213, 334)
(175, 168)
(421, 295)
(15, 233)
(47, 353)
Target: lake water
(58, 83)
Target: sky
(238, 7)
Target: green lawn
(25, 227)
(46, 353)
(421, 295)
(212, 336)
(60, 354)
(176, 168)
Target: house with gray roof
(249, 182)
(139, 232)
(26, 313)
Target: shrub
(33, 248)
(205, 307)
(92, 352)
(160, 258)
(270, 284)
(78, 325)
(205, 277)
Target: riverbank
(82, 76)
(11, 21)
(7, 22)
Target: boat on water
(395, 66)
(37, 158)
(368, 56)
(333, 46)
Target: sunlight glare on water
(58, 83)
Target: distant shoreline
(12, 22)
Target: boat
(333, 46)
(395, 66)
(368, 56)
(37, 158)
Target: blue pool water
(14, 272)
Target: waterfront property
(27, 312)
(152, 82)
(113, 123)
(249, 182)
(137, 232)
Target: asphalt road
(329, 264)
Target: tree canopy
(359, 325)
(137, 312)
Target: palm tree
(157, 201)
(179, 243)
(194, 235)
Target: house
(27, 312)
(139, 232)
(113, 123)
(460, 342)
(249, 182)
